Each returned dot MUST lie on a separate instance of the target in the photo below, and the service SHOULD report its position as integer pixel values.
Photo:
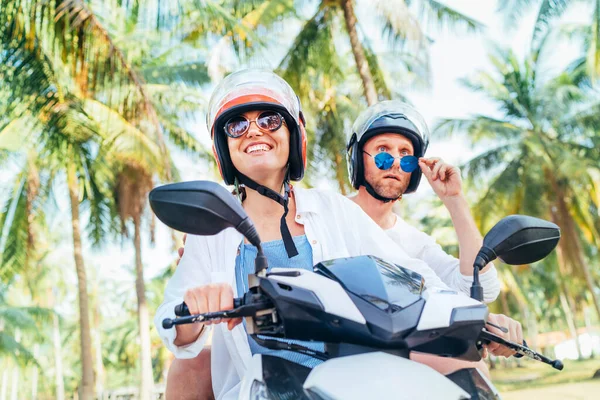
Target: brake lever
(521, 350)
(248, 310)
(501, 328)
(182, 310)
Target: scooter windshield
(387, 286)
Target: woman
(259, 140)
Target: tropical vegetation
(101, 100)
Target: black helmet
(255, 89)
(390, 116)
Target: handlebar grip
(182, 310)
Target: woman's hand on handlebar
(204, 299)
(211, 298)
(514, 334)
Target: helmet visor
(365, 120)
(252, 86)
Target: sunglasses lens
(236, 126)
(409, 163)
(269, 121)
(384, 161)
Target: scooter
(369, 313)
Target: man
(385, 155)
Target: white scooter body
(364, 376)
(375, 375)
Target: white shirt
(420, 245)
(335, 226)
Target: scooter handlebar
(522, 350)
(182, 310)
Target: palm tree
(173, 81)
(548, 13)
(63, 144)
(398, 21)
(100, 80)
(541, 158)
(331, 83)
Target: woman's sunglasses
(384, 161)
(268, 121)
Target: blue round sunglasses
(384, 161)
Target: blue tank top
(277, 257)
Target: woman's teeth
(257, 147)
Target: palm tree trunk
(4, 387)
(87, 373)
(97, 341)
(571, 236)
(532, 326)
(570, 244)
(146, 385)
(33, 183)
(60, 385)
(98, 349)
(15, 384)
(359, 53)
(34, 378)
(566, 306)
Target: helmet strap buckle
(288, 241)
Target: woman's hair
(239, 192)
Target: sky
(452, 57)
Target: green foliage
(540, 159)
(320, 68)
(112, 87)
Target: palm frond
(124, 139)
(549, 11)
(213, 20)
(185, 140)
(17, 132)
(71, 35)
(189, 73)
(447, 17)
(491, 160)
(478, 127)
(501, 189)
(313, 53)
(11, 348)
(379, 76)
(593, 44)
(513, 9)
(406, 69)
(14, 226)
(399, 25)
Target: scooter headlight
(313, 395)
(259, 391)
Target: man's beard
(384, 189)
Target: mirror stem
(481, 261)
(260, 262)
(476, 288)
(247, 228)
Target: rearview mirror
(201, 208)
(520, 239)
(516, 239)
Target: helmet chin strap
(288, 242)
(373, 193)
